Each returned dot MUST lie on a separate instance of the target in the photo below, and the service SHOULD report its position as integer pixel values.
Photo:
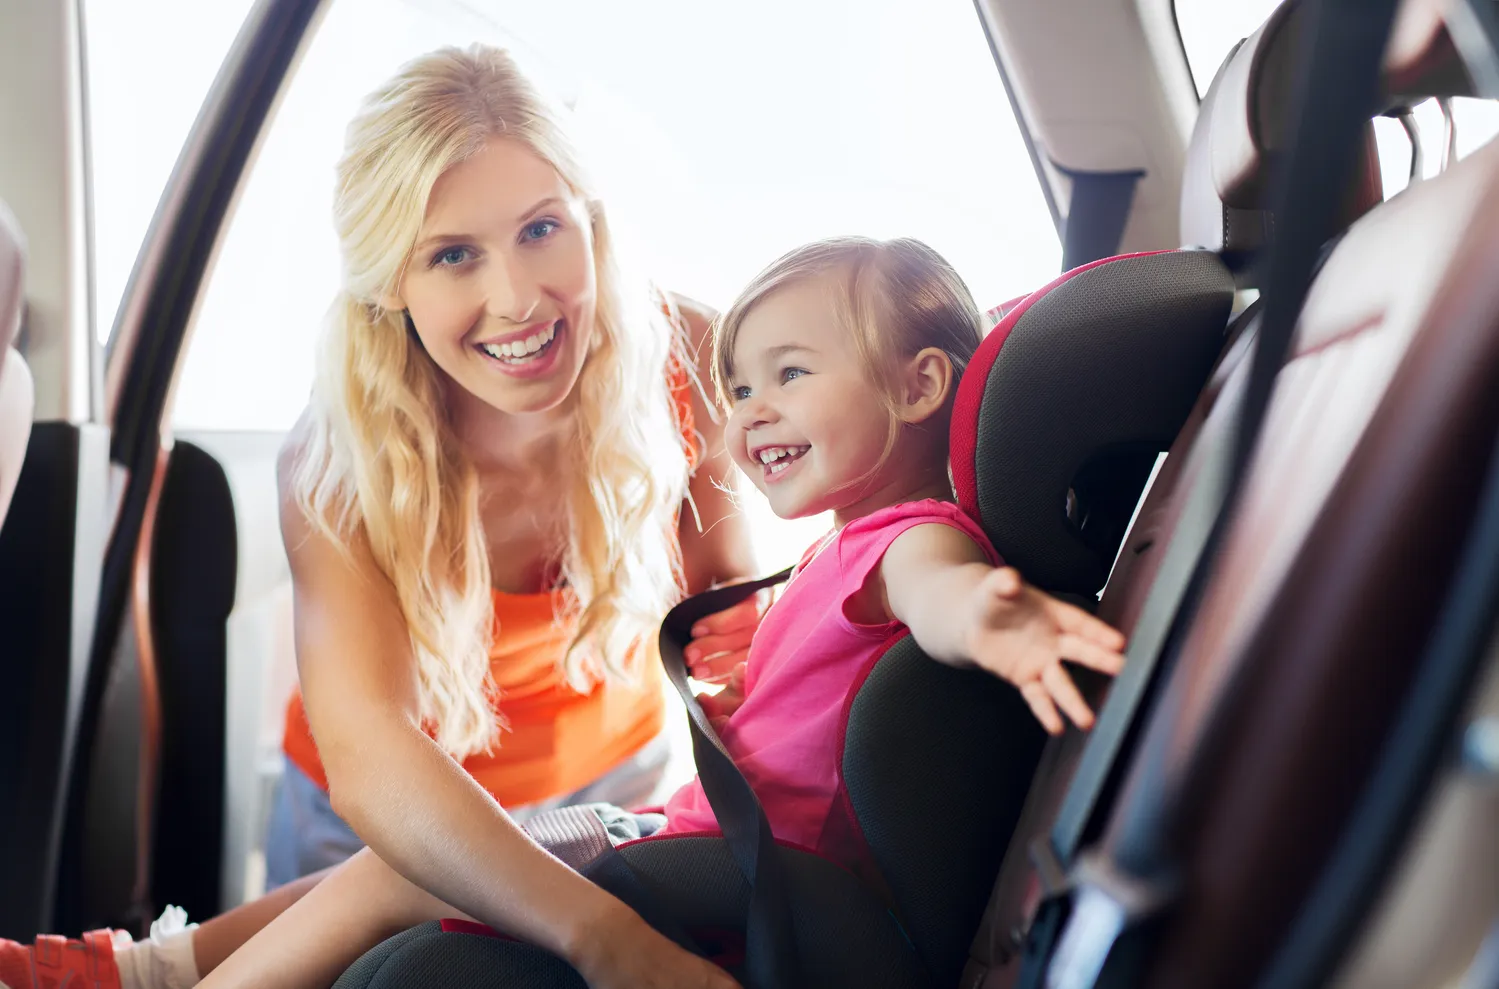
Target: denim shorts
(304, 835)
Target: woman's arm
(407, 799)
(720, 552)
(364, 901)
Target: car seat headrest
(1422, 61)
(1241, 127)
(12, 268)
(1067, 403)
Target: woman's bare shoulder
(696, 316)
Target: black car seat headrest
(1241, 128)
(1069, 400)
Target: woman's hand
(624, 952)
(721, 706)
(1022, 634)
(720, 642)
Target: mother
(481, 507)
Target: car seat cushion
(1061, 413)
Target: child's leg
(172, 961)
(358, 905)
(222, 936)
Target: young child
(838, 365)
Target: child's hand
(1022, 635)
(721, 641)
(720, 706)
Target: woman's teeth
(520, 351)
(778, 458)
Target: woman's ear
(926, 381)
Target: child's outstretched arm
(963, 611)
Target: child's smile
(778, 459)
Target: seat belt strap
(770, 944)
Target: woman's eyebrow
(548, 201)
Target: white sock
(165, 960)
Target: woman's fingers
(744, 615)
(1086, 652)
(737, 640)
(1042, 706)
(716, 669)
(1062, 690)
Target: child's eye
(739, 394)
(450, 257)
(792, 373)
(539, 230)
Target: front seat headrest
(1241, 128)
(17, 395)
(12, 271)
(1068, 401)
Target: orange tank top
(556, 740)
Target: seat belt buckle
(1108, 905)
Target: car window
(1475, 123)
(721, 137)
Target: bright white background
(723, 134)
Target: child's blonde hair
(382, 462)
(895, 298)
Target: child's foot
(53, 962)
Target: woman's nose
(513, 292)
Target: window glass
(1475, 124)
(148, 68)
(1211, 28)
(721, 137)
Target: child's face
(806, 425)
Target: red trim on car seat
(1002, 310)
(452, 925)
(970, 398)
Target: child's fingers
(1086, 652)
(1042, 707)
(1077, 621)
(1066, 694)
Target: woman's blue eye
(792, 373)
(539, 230)
(450, 257)
(740, 394)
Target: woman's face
(500, 285)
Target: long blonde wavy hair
(381, 462)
